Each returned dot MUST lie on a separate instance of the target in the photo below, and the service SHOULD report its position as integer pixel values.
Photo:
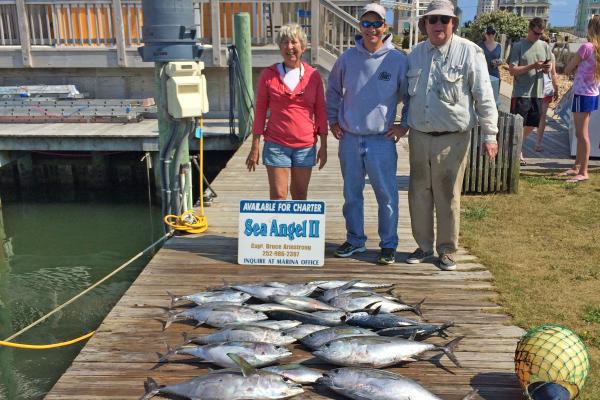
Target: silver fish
(303, 303)
(256, 354)
(296, 372)
(263, 293)
(317, 339)
(335, 284)
(218, 316)
(279, 325)
(378, 320)
(331, 293)
(417, 331)
(304, 317)
(231, 296)
(247, 384)
(377, 351)
(333, 316)
(268, 307)
(243, 333)
(376, 384)
(302, 330)
(362, 300)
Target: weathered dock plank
(115, 362)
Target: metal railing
(94, 23)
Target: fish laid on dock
(296, 372)
(243, 333)
(417, 332)
(232, 296)
(317, 339)
(376, 384)
(217, 317)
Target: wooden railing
(94, 23)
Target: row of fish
(345, 323)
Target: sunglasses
(433, 19)
(374, 24)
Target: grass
(543, 249)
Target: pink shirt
(296, 116)
(585, 84)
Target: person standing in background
(528, 60)
(586, 64)
(492, 51)
(550, 94)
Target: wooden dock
(116, 361)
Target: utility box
(186, 89)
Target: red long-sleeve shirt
(297, 116)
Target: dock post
(166, 125)
(25, 169)
(243, 43)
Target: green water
(57, 244)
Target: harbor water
(57, 243)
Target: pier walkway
(116, 361)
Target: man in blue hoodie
(363, 91)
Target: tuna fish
(378, 320)
(296, 372)
(243, 333)
(231, 296)
(268, 307)
(279, 325)
(218, 316)
(356, 301)
(302, 330)
(247, 384)
(319, 338)
(264, 292)
(304, 317)
(377, 351)
(303, 303)
(376, 385)
(325, 285)
(420, 331)
(333, 316)
(256, 354)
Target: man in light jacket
(363, 91)
(449, 92)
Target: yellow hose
(45, 346)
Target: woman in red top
(292, 92)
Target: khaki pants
(437, 167)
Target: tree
(514, 26)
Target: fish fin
(349, 284)
(186, 338)
(471, 395)
(151, 389)
(165, 357)
(448, 349)
(417, 308)
(171, 316)
(442, 330)
(376, 310)
(412, 336)
(199, 324)
(174, 299)
(246, 368)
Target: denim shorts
(276, 155)
(584, 103)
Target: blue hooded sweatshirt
(363, 89)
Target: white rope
(57, 309)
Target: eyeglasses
(374, 24)
(433, 19)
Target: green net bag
(552, 353)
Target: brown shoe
(446, 262)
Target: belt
(441, 133)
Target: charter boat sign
(274, 232)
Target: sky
(562, 12)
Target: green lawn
(543, 249)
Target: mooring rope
(7, 341)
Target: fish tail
(471, 395)
(165, 357)
(186, 338)
(442, 329)
(448, 349)
(417, 308)
(151, 389)
(171, 316)
(174, 299)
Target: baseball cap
(374, 8)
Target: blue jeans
(375, 156)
